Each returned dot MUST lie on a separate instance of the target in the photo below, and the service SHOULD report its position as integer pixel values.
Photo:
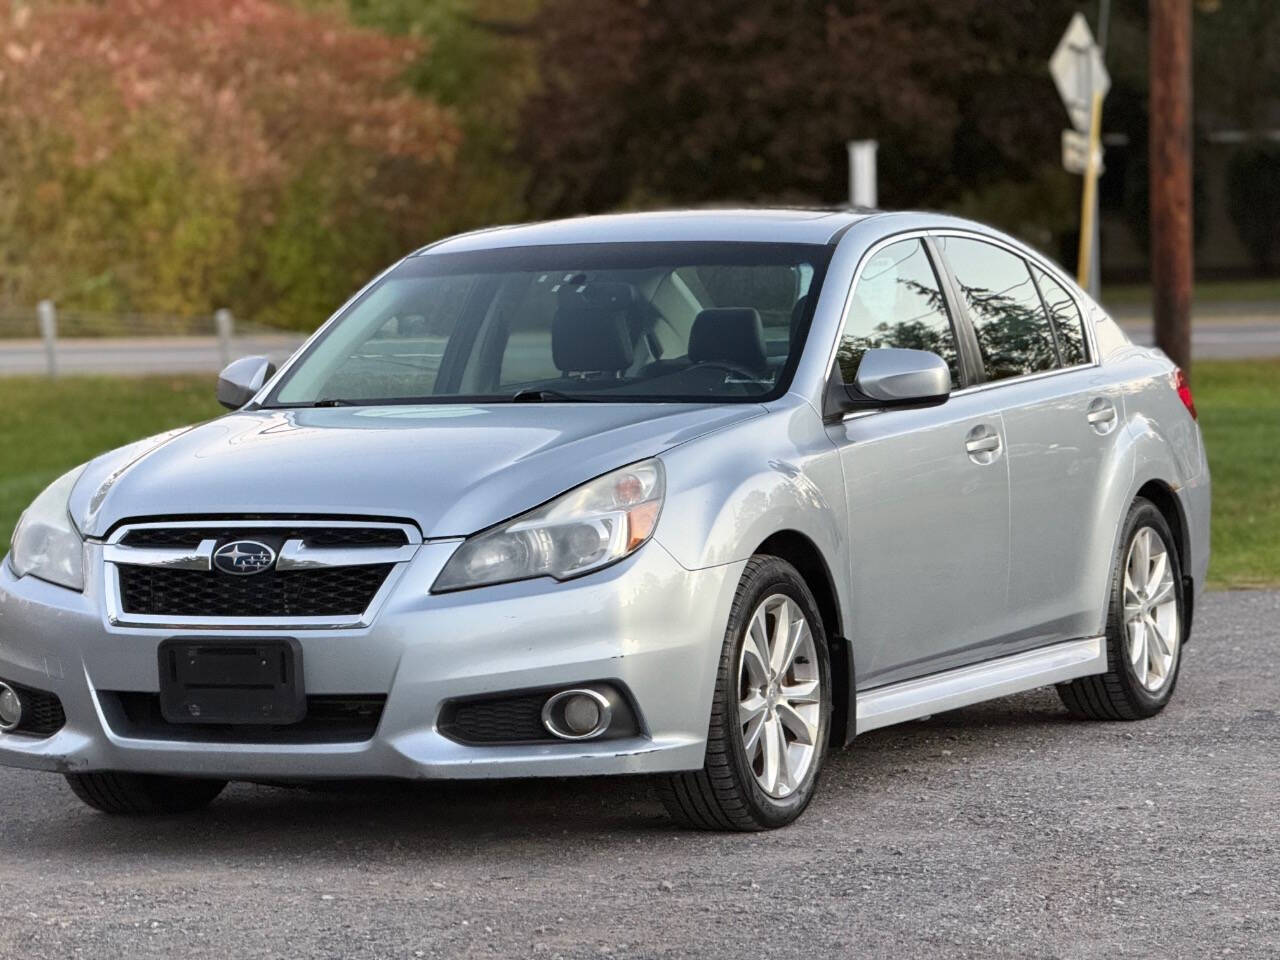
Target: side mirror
(891, 377)
(895, 376)
(241, 379)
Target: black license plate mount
(232, 680)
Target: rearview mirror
(241, 379)
(894, 376)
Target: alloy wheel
(1152, 628)
(779, 696)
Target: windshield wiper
(540, 395)
(334, 402)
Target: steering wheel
(729, 367)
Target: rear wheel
(771, 712)
(1144, 626)
(139, 794)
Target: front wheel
(143, 794)
(771, 713)
(1144, 626)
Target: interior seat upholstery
(591, 331)
(732, 335)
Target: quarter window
(898, 302)
(1067, 323)
(1008, 317)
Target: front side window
(1004, 306)
(897, 302)
(1067, 322)
(621, 322)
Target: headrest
(729, 335)
(591, 331)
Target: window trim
(959, 326)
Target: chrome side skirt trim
(913, 699)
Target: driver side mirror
(892, 377)
(241, 379)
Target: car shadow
(442, 820)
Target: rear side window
(898, 302)
(1067, 323)
(1008, 317)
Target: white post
(225, 325)
(48, 317)
(862, 173)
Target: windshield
(624, 322)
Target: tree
(480, 64)
(176, 155)
(649, 101)
(1253, 200)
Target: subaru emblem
(243, 557)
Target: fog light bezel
(553, 714)
(8, 726)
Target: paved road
(1004, 830)
(1222, 340)
(139, 355)
(1250, 333)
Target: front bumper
(647, 625)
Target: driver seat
(730, 335)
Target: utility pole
(1171, 231)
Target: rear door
(1060, 415)
(928, 488)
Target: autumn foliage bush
(175, 155)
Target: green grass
(49, 427)
(1239, 406)
(1206, 293)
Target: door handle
(1101, 415)
(982, 444)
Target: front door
(928, 490)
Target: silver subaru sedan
(699, 495)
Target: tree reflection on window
(1008, 318)
(898, 302)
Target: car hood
(452, 469)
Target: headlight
(46, 543)
(585, 529)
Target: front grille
(312, 536)
(516, 719)
(150, 584)
(348, 718)
(42, 713)
(331, 592)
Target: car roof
(773, 224)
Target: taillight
(1184, 391)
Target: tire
(1132, 690)
(727, 793)
(136, 794)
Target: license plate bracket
(232, 681)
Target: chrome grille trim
(301, 557)
(175, 558)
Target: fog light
(577, 714)
(581, 714)
(10, 708)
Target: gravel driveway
(1004, 830)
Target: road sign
(1078, 71)
(1075, 153)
